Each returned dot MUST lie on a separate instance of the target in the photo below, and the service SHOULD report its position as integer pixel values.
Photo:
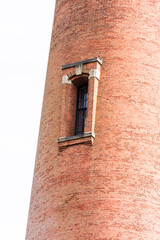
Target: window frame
(75, 75)
(78, 111)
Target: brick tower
(97, 172)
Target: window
(78, 103)
(82, 97)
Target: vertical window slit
(82, 98)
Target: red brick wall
(111, 190)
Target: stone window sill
(86, 138)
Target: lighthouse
(97, 169)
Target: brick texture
(109, 190)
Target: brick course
(110, 190)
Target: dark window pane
(82, 97)
(80, 117)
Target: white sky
(25, 31)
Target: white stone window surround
(93, 74)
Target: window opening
(82, 98)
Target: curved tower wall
(110, 188)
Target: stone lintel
(82, 62)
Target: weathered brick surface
(111, 190)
